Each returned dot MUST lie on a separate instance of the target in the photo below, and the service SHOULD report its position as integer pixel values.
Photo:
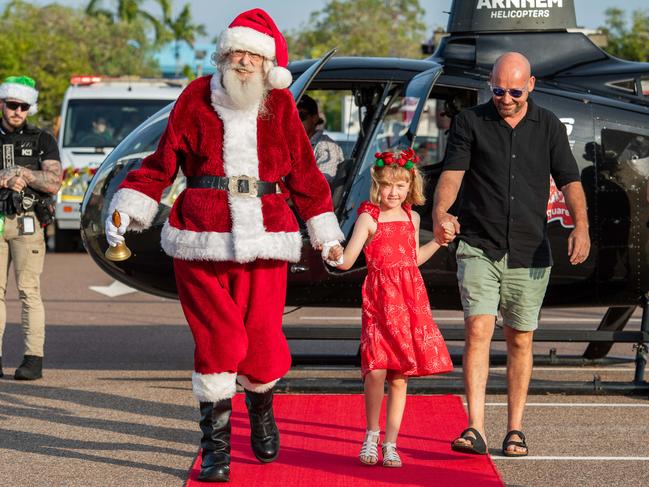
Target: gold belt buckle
(234, 186)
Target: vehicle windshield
(105, 123)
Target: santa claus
(238, 139)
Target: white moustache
(242, 69)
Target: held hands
(115, 235)
(332, 253)
(446, 227)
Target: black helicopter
(385, 103)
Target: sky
(291, 14)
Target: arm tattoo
(48, 179)
(10, 172)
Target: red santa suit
(230, 250)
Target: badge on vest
(26, 225)
(26, 152)
(7, 155)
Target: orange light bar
(84, 80)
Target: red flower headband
(406, 159)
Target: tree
(631, 44)
(181, 28)
(129, 12)
(53, 42)
(361, 28)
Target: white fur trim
(247, 39)
(279, 78)
(189, 245)
(324, 228)
(214, 387)
(218, 96)
(22, 93)
(141, 208)
(253, 386)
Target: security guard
(29, 178)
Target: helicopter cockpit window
(625, 156)
(332, 121)
(435, 121)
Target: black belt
(239, 185)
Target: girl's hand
(335, 253)
(449, 233)
(441, 226)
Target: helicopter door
(300, 85)
(310, 257)
(396, 131)
(416, 102)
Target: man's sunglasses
(15, 105)
(513, 92)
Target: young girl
(399, 338)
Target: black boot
(215, 425)
(30, 369)
(264, 435)
(1, 373)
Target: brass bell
(120, 252)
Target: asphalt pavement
(115, 406)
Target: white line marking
(560, 368)
(598, 459)
(573, 405)
(337, 318)
(459, 319)
(113, 290)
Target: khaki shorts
(487, 285)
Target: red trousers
(235, 314)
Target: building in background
(196, 60)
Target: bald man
(505, 151)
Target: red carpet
(321, 436)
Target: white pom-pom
(279, 78)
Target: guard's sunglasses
(15, 105)
(513, 92)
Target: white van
(96, 115)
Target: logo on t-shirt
(557, 209)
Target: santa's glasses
(254, 57)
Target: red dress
(398, 331)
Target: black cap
(309, 105)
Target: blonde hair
(393, 172)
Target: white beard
(246, 94)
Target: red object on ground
(321, 436)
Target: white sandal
(369, 454)
(390, 456)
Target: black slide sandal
(477, 445)
(521, 444)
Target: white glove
(115, 235)
(326, 247)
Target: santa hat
(256, 32)
(21, 88)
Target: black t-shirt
(507, 180)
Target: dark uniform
(22, 242)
